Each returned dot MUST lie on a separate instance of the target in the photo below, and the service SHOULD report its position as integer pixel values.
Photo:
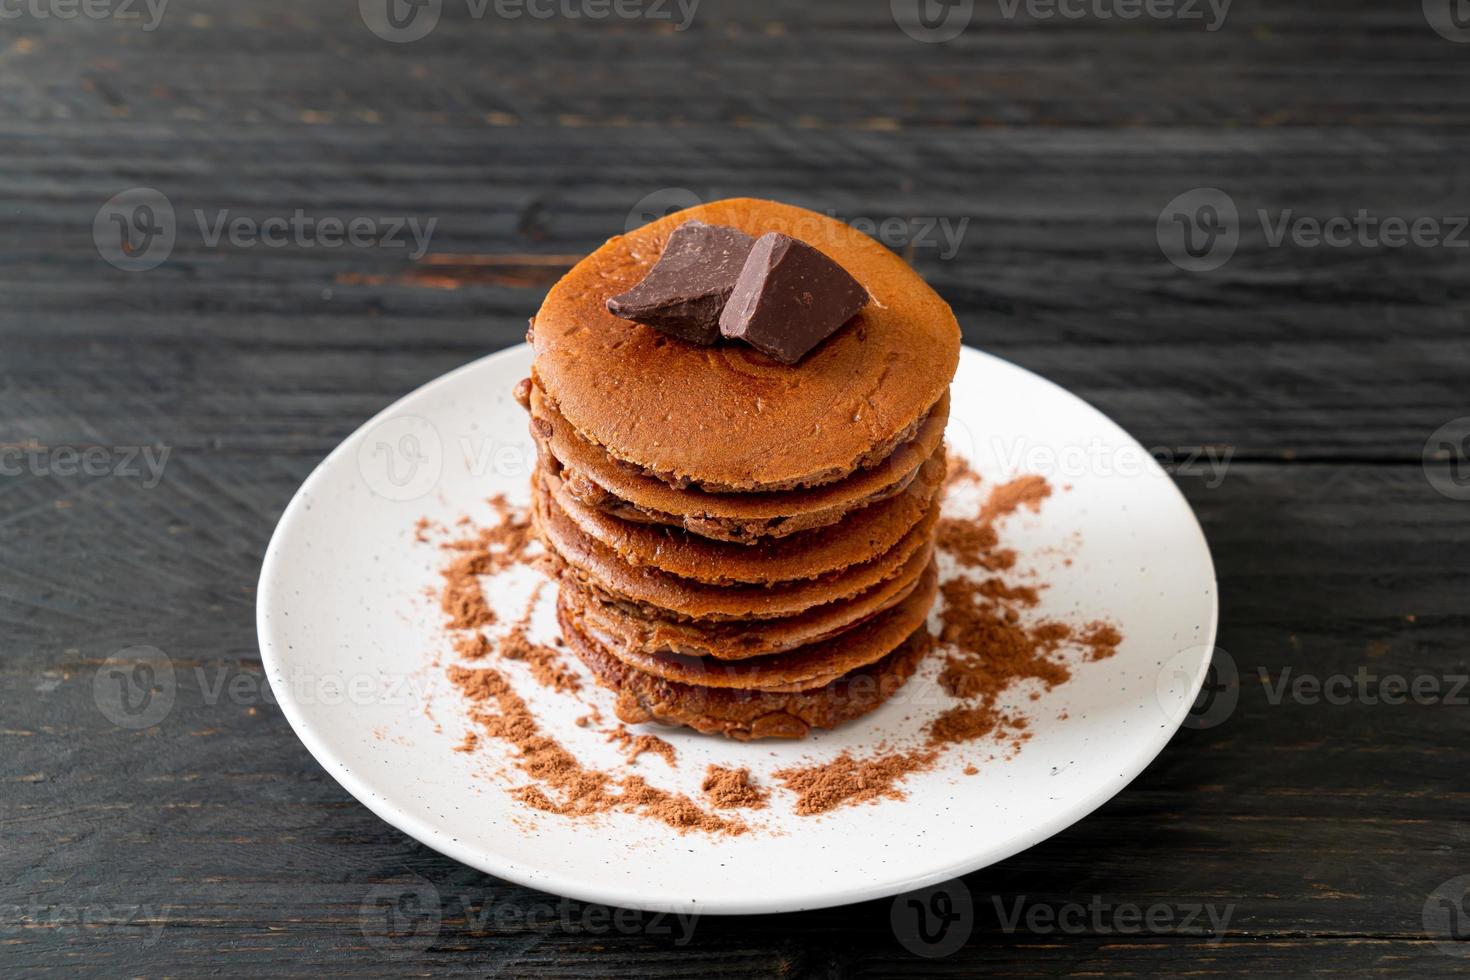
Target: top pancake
(728, 417)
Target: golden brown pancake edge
(864, 533)
(808, 666)
(571, 552)
(604, 483)
(749, 715)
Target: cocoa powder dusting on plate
(731, 789)
(1101, 640)
(974, 542)
(959, 471)
(546, 663)
(490, 549)
(846, 781)
(1006, 499)
(473, 646)
(634, 746)
(470, 742)
(973, 545)
(991, 642)
(560, 783)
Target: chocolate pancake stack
(742, 518)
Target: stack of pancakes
(743, 547)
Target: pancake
(592, 563)
(748, 715)
(621, 626)
(863, 534)
(727, 417)
(809, 666)
(603, 483)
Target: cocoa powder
(560, 783)
(846, 781)
(491, 549)
(1101, 640)
(546, 663)
(731, 789)
(473, 646)
(957, 471)
(992, 648)
(973, 545)
(1006, 499)
(634, 746)
(470, 742)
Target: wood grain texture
(1327, 354)
(213, 842)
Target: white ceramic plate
(347, 632)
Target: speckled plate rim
(502, 865)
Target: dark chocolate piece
(684, 292)
(789, 298)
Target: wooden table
(211, 841)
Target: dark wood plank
(753, 64)
(1283, 353)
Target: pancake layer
(643, 631)
(864, 533)
(603, 483)
(799, 668)
(593, 564)
(747, 715)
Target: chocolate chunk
(685, 291)
(789, 298)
